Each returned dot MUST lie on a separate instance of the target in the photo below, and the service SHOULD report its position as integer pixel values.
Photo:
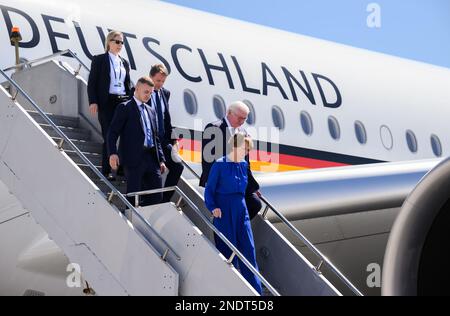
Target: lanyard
(114, 69)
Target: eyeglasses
(117, 42)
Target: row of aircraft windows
(306, 123)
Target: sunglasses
(117, 42)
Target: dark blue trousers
(175, 171)
(105, 116)
(145, 176)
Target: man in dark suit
(169, 143)
(140, 150)
(215, 145)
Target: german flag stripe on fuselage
(283, 158)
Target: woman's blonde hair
(238, 139)
(111, 36)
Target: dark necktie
(160, 116)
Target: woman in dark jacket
(108, 86)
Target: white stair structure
(67, 204)
(165, 249)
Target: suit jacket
(218, 148)
(127, 124)
(168, 128)
(100, 79)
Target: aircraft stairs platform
(50, 153)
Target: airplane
(314, 104)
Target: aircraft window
(219, 106)
(436, 145)
(307, 124)
(386, 137)
(360, 132)
(278, 117)
(411, 140)
(334, 128)
(251, 119)
(190, 102)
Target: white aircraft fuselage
(316, 103)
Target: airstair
(50, 157)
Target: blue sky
(413, 29)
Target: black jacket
(100, 79)
(168, 128)
(127, 124)
(217, 148)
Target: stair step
(118, 203)
(89, 172)
(119, 185)
(71, 133)
(84, 146)
(94, 158)
(59, 120)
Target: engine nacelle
(418, 254)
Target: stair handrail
(113, 189)
(49, 57)
(52, 56)
(207, 221)
(299, 235)
(323, 259)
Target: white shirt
(117, 75)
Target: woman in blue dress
(225, 199)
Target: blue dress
(225, 189)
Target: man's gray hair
(238, 106)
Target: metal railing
(114, 191)
(66, 52)
(207, 221)
(50, 57)
(299, 235)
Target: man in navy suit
(160, 101)
(215, 145)
(140, 149)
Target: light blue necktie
(147, 126)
